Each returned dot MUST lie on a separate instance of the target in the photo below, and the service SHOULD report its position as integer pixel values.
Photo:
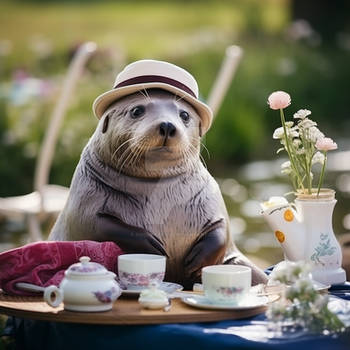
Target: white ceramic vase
(304, 230)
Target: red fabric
(44, 263)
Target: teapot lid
(86, 268)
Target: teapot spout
(286, 224)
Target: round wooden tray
(126, 311)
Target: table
(125, 311)
(250, 333)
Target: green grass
(155, 29)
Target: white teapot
(87, 286)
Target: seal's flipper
(237, 258)
(208, 250)
(130, 239)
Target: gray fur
(170, 194)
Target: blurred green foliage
(39, 37)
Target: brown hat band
(155, 79)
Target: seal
(140, 183)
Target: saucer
(167, 287)
(320, 287)
(249, 302)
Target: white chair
(48, 199)
(233, 56)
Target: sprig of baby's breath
(301, 306)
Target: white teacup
(226, 283)
(137, 271)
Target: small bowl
(138, 271)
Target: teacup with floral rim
(226, 283)
(138, 271)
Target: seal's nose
(167, 129)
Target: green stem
(322, 173)
(308, 157)
(307, 167)
(283, 121)
(307, 172)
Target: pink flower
(279, 100)
(326, 144)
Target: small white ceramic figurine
(153, 298)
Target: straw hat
(148, 74)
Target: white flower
(278, 133)
(326, 144)
(303, 284)
(276, 311)
(286, 168)
(314, 134)
(278, 275)
(292, 271)
(296, 143)
(302, 113)
(318, 158)
(320, 302)
(293, 132)
(306, 123)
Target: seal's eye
(138, 111)
(185, 116)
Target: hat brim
(103, 101)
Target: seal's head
(151, 133)
(150, 74)
(151, 121)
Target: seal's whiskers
(205, 147)
(189, 155)
(145, 95)
(120, 146)
(178, 99)
(132, 156)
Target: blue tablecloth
(252, 333)
(240, 334)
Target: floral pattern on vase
(323, 249)
(140, 279)
(107, 296)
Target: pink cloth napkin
(44, 263)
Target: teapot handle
(53, 296)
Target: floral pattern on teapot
(107, 296)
